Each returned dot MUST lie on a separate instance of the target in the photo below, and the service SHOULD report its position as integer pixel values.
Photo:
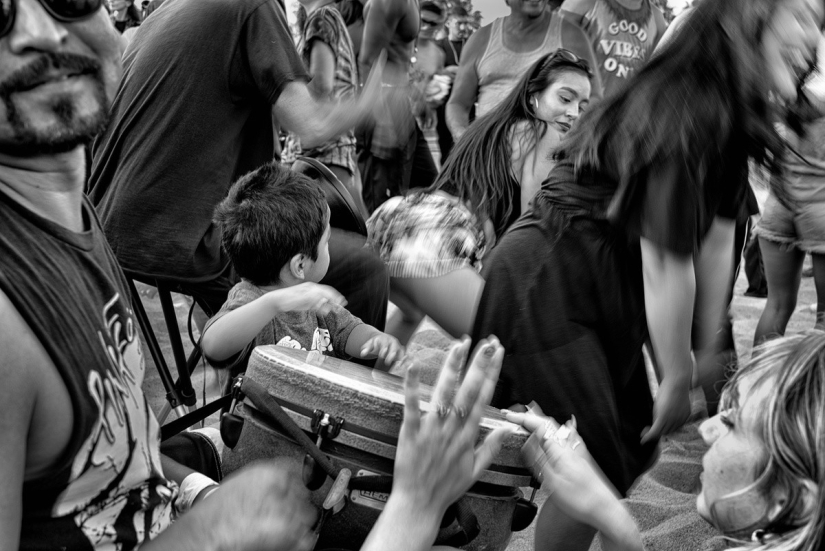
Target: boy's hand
(383, 346)
(307, 296)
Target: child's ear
(297, 266)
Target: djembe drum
(358, 413)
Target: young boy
(275, 228)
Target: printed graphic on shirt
(321, 341)
(116, 492)
(622, 45)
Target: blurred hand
(670, 410)
(383, 346)
(436, 462)
(564, 465)
(263, 507)
(308, 296)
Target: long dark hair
(478, 168)
(706, 91)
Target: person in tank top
(79, 458)
(498, 55)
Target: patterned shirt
(326, 25)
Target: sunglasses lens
(70, 10)
(6, 16)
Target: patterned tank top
(107, 491)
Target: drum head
(344, 214)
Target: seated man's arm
(22, 358)
(465, 85)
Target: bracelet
(190, 488)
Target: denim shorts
(803, 224)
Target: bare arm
(670, 290)
(322, 69)
(317, 122)
(465, 85)
(230, 333)
(381, 19)
(21, 356)
(714, 272)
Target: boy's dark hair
(270, 215)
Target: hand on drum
(383, 346)
(437, 460)
(559, 459)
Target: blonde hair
(792, 427)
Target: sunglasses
(66, 11)
(568, 57)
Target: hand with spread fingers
(558, 458)
(437, 460)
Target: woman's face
(735, 459)
(790, 41)
(562, 102)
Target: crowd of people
(564, 185)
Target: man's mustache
(38, 70)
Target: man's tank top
(107, 491)
(500, 69)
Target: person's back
(191, 115)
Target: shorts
(425, 235)
(801, 226)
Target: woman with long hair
(433, 240)
(632, 233)
(763, 484)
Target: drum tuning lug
(318, 417)
(333, 429)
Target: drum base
(492, 505)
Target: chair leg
(173, 397)
(184, 382)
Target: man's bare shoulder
(577, 8)
(23, 360)
(476, 45)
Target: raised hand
(437, 461)
(307, 296)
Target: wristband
(189, 490)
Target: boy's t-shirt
(303, 330)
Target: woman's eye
(565, 99)
(725, 420)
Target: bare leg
(555, 531)
(783, 271)
(450, 300)
(819, 283)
